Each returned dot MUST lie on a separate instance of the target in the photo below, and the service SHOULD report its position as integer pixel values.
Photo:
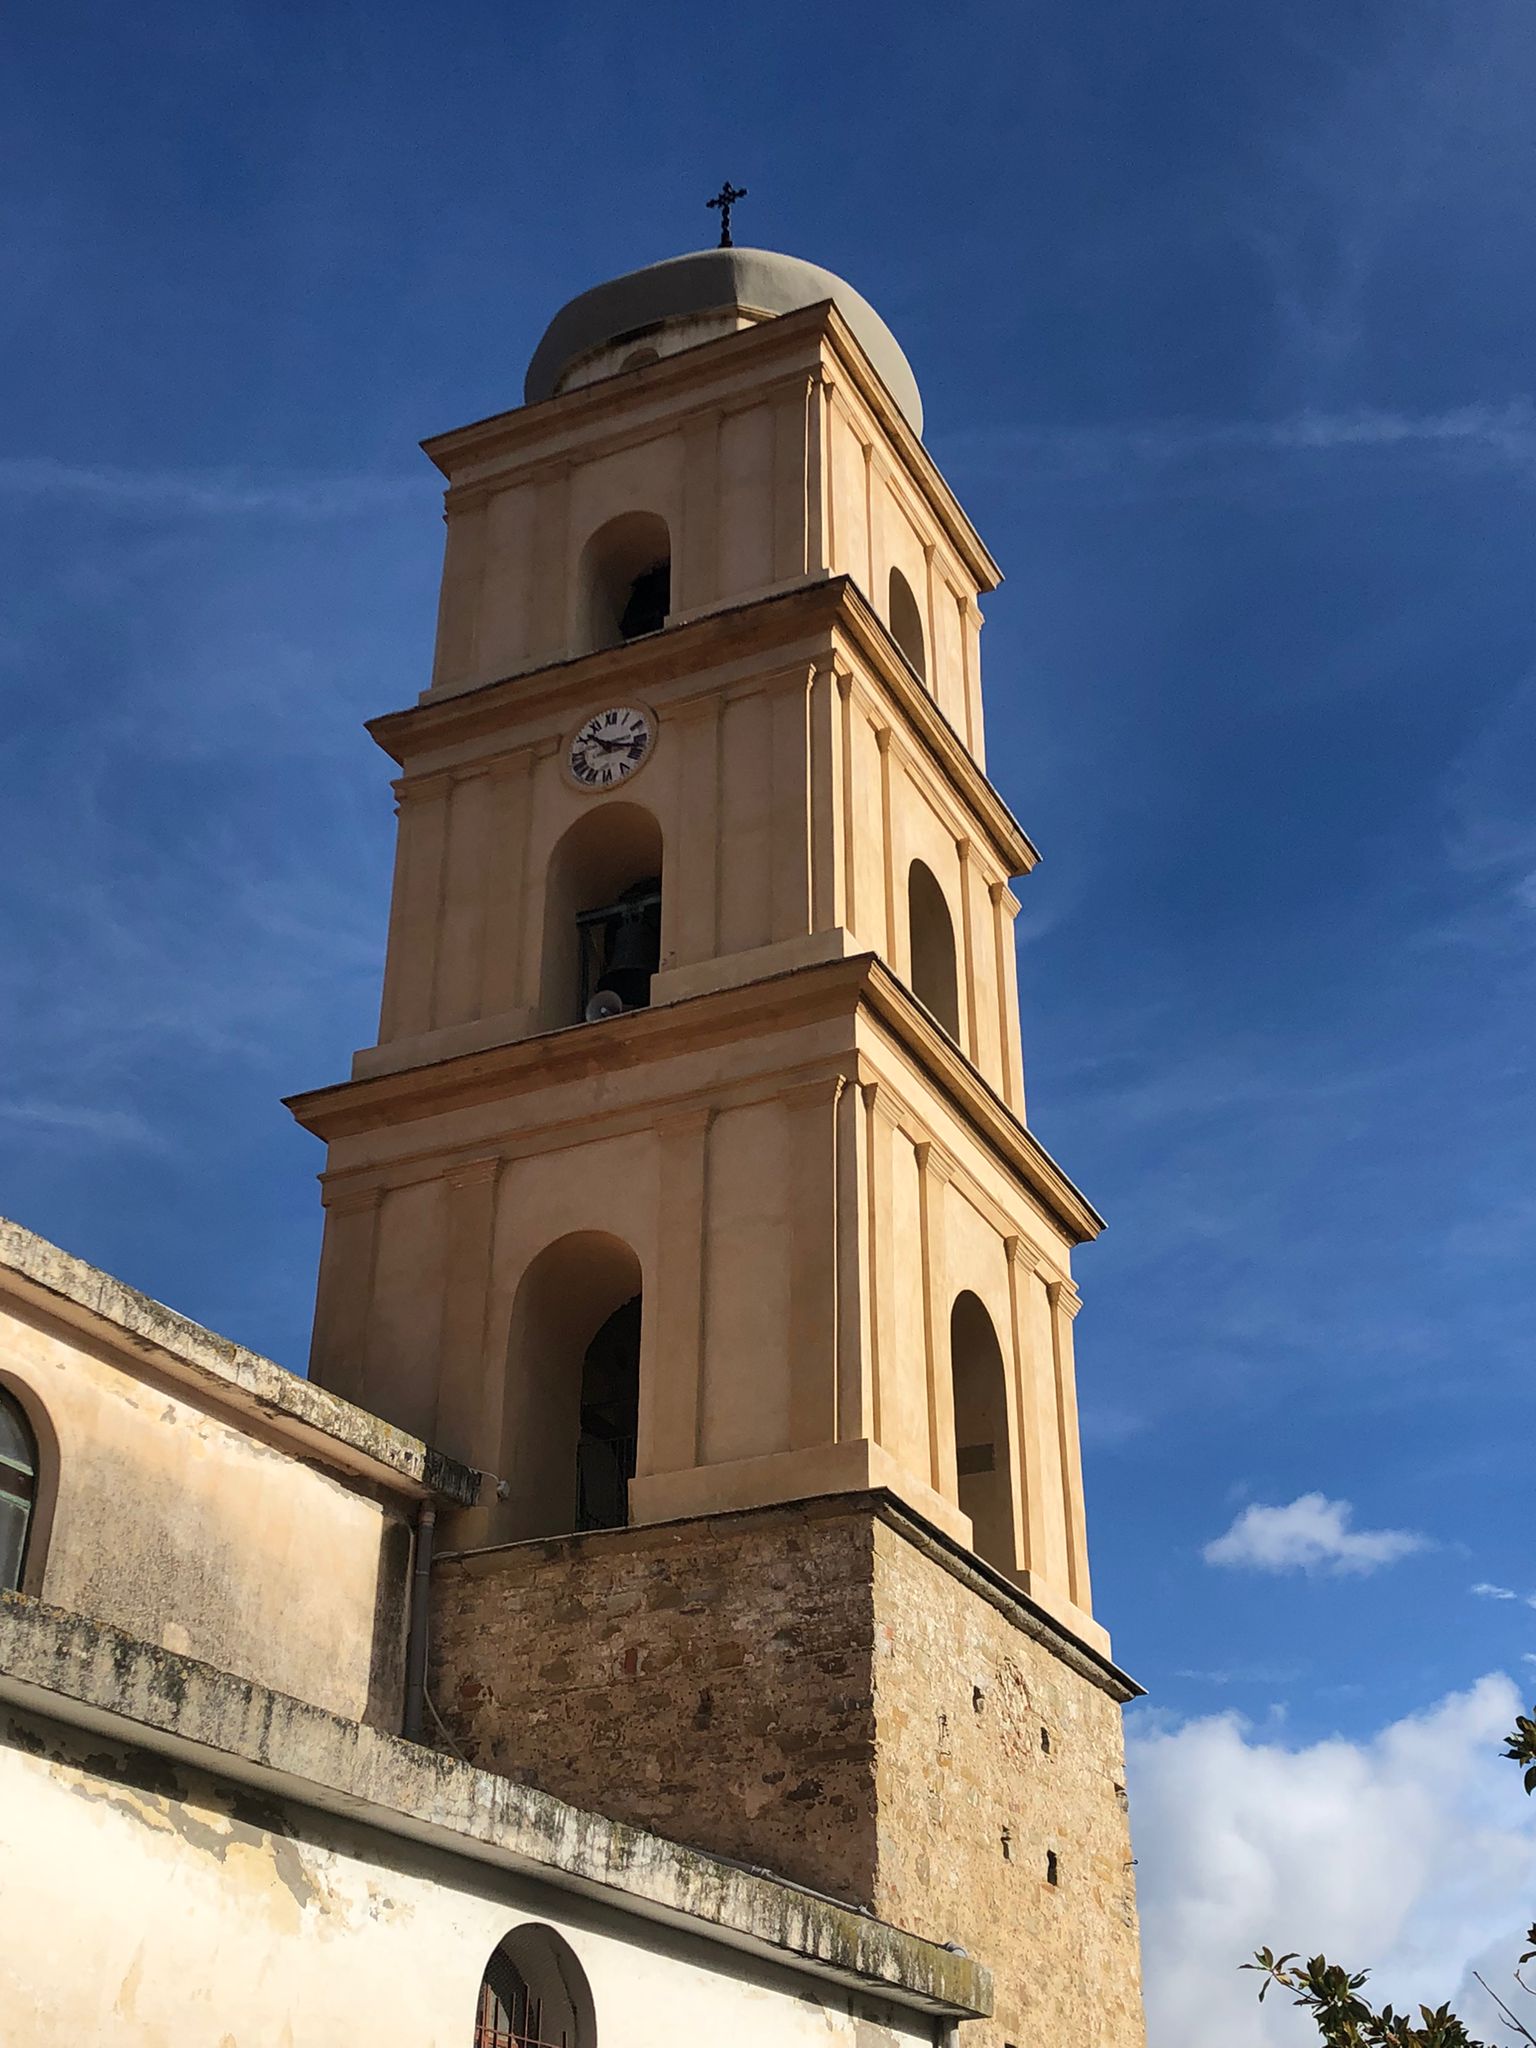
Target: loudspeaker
(606, 1003)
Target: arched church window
(906, 623)
(602, 916)
(625, 580)
(982, 1457)
(18, 1490)
(572, 1410)
(534, 1994)
(935, 981)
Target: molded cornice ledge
(70, 1668)
(766, 627)
(316, 1424)
(779, 1004)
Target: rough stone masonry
(829, 1691)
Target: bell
(634, 948)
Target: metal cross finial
(725, 199)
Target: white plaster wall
(146, 1906)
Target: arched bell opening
(906, 623)
(934, 980)
(573, 1368)
(624, 581)
(983, 1457)
(602, 916)
(534, 1994)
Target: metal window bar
(520, 2026)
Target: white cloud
(1411, 1854)
(1312, 1533)
(1486, 1592)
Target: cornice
(307, 1420)
(666, 385)
(978, 1103)
(662, 383)
(779, 1004)
(825, 607)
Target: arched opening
(602, 916)
(935, 981)
(18, 1490)
(638, 358)
(982, 1455)
(610, 1420)
(573, 1381)
(534, 1994)
(907, 623)
(625, 580)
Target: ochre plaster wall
(807, 1689)
(802, 1207)
(790, 797)
(254, 1921)
(194, 1533)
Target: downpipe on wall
(416, 1639)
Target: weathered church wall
(196, 1533)
(147, 1905)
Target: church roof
(711, 281)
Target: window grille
(18, 1490)
(509, 2015)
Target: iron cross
(725, 199)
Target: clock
(608, 747)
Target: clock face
(610, 746)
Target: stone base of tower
(833, 1691)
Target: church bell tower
(688, 1191)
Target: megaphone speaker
(606, 1003)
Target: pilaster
(669, 1422)
(507, 891)
(463, 1370)
(338, 1358)
(1065, 1303)
(813, 1319)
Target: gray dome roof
(710, 281)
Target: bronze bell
(634, 948)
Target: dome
(698, 296)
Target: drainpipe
(416, 1640)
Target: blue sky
(1222, 317)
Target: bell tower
(688, 1190)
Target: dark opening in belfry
(649, 601)
(610, 1420)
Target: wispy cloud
(1485, 1591)
(1498, 435)
(203, 493)
(1245, 1674)
(108, 1127)
(1309, 1534)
